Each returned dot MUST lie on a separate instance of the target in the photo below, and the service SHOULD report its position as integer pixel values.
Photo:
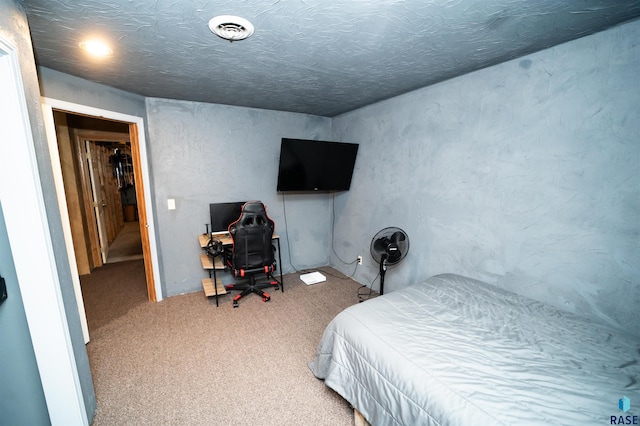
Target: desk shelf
(208, 263)
(210, 290)
(203, 239)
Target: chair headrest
(253, 207)
(253, 216)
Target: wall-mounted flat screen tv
(224, 214)
(310, 165)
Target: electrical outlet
(359, 260)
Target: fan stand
(383, 270)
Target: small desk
(217, 264)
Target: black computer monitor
(223, 214)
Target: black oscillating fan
(388, 247)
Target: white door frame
(48, 105)
(32, 250)
(66, 224)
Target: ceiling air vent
(231, 28)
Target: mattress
(457, 351)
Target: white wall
(524, 174)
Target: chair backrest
(252, 235)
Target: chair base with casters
(253, 286)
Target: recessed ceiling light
(97, 48)
(230, 27)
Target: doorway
(99, 182)
(136, 133)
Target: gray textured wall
(203, 153)
(524, 174)
(65, 87)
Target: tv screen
(223, 214)
(310, 165)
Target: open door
(144, 212)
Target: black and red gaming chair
(253, 251)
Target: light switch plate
(171, 203)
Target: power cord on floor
(362, 295)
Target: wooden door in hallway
(106, 199)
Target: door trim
(147, 225)
(30, 238)
(64, 217)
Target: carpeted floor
(184, 361)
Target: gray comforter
(456, 351)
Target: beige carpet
(183, 361)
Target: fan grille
(393, 242)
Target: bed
(457, 351)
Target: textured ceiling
(322, 57)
